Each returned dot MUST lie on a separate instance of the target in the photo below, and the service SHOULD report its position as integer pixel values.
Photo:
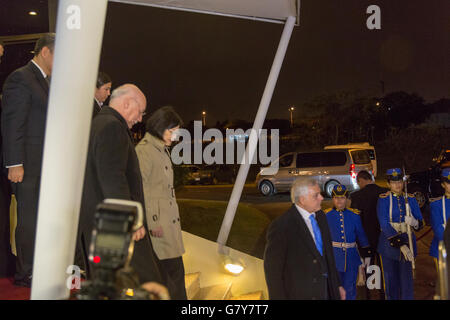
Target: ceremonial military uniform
(393, 244)
(346, 228)
(440, 213)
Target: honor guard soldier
(440, 212)
(346, 228)
(396, 249)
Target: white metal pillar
(253, 140)
(79, 34)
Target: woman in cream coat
(162, 214)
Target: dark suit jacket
(293, 266)
(24, 104)
(112, 171)
(366, 200)
(96, 109)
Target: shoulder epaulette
(327, 210)
(410, 195)
(384, 195)
(435, 199)
(356, 211)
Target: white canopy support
(79, 34)
(275, 11)
(253, 139)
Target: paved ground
(425, 274)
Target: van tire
(329, 188)
(419, 194)
(266, 188)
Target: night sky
(201, 62)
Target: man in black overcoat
(298, 260)
(112, 171)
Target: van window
(360, 156)
(371, 154)
(308, 160)
(286, 161)
(333, 159)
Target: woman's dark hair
(162, 119)
(102, 79)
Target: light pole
(291, 110)
(204, 118)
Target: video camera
(110, 252)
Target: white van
(359, 145)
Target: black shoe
(25, 282)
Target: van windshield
(360, 157)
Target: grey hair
(301, 186)
(120, 91)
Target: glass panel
(360, 157)
(333, 159)
(308, 160)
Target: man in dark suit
(112, 171)
(25, 97)
(298, 261)
(365, 200)
(102, 92)
(7, 259)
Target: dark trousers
(348, 281)
(376, 260)
(7, 259)
(173, 274)
(27, 195)
(398, 279)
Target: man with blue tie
(298, 261)
(346, 228)
(393, 245)
(440, 213)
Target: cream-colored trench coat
(160, 203)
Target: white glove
(412, 221)
(366, 263)
(407, 253)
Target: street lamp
(204, 118)
(291, 110)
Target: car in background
(196, 174)
(363, 145)
(210, 174)
(427, 184)
(222, 173)
(328, 167)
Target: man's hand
(406, 253)
(157, 232)
(139, 234)
(410, 220)
(157, 289)
(15, 174)
(342, 293)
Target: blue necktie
(317, 233)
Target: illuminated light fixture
(32, 13)
(129, 292)
(232, 266)
(377, 104)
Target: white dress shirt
(40, 69)
(98, 102)
(305, 215)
